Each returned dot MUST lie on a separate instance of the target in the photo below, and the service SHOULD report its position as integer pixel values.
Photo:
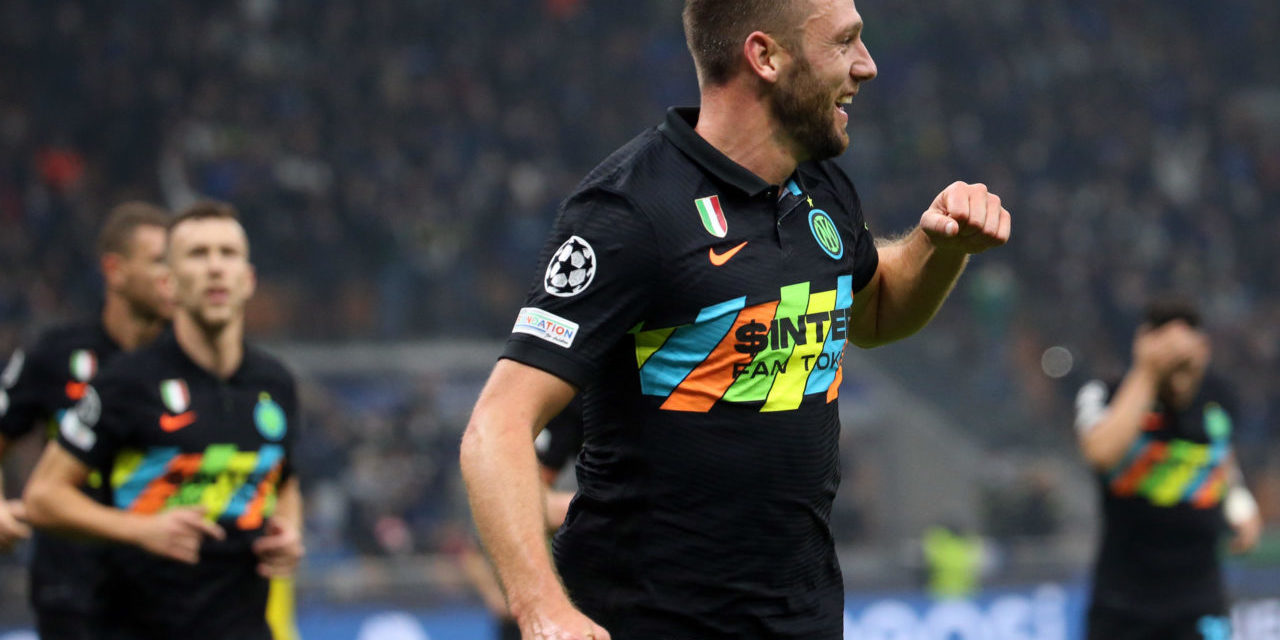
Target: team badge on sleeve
(13, 369)
(571, 269)
(77, 425)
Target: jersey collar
(678, 128)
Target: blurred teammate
(41, 383)
(194, 432)
(1160, 442)
(699, 287)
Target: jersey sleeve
(99, 425)
(1092, 402)
(31, 392)
(593, 285)
(561, 440)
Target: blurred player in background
(700, 286)
(194, 433)
(556, 446)
(1160, 441)
(41, 383)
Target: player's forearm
(289, 503)
(478, 571)
(63, 507)
(1107, 441)
(500, 471)
(915, 278)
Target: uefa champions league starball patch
(572, 268)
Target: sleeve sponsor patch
(77, 425)
(13, 369)
(1091, 405)
(548, 326)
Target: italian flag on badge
(712, 215)
(175, 395)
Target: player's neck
(126, 328)
(736, 121)
(218, 350)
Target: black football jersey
(704, 313)
(560, 441)
(41, 383)
(169, 434)
(37, 387)
(1162, 506)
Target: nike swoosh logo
(169, 423)
(719, 259)
(75, 390)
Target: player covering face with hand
(1160, 442)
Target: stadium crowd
(398, 163)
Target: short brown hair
(715, 30)
(116, 235)
(1168, 308)
(203, 210)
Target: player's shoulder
(827, 173)
(62, 340)
(632, 170)
(1091, 403)
(148, 362)
(262, 365)
(1215, 389)
(1097, 389)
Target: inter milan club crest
(572, 268)
(269, 418)
(825, 232)
(712, 216)
(175, 394)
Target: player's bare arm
(12, 515)
(917, 271)
(1241, 511)
(1156, 352)
(54, 501)
(280, 548)
(500, 468)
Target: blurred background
(399, 162)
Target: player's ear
(112, 266)
(253, 282)
(765, 56)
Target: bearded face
(807, 109)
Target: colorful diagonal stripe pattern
(230, 484)
(774, 353)
(1170, 472)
